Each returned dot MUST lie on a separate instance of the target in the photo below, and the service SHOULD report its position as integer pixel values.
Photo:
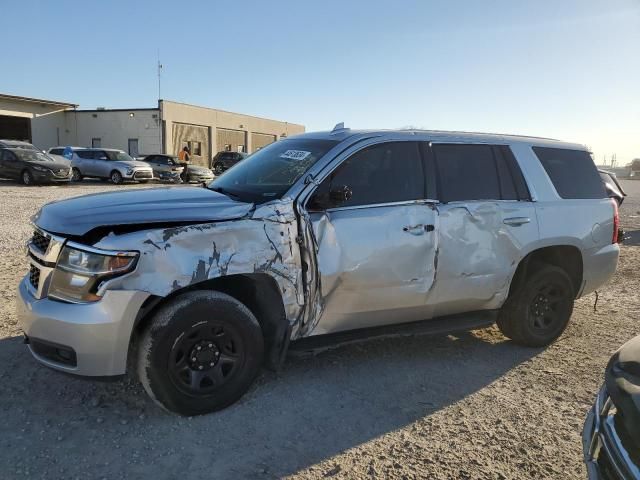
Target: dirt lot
(464, 406)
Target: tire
(200, 353)
(539, 310)
(218, 169)
(116, 177)
(26, 178)
(76, 176)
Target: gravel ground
(464, 406)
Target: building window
(195, 148)
(227, 147)
(96, 142)
(241, 148)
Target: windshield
(23, 146)
(32, 155)
(268, 173)
(118, 155)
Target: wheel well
(258, 292)
(566, 257)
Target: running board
(448, 324)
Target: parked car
(612, 186)
(111, 164)
(225, 160)
(197, 173)
(316, 238)
(611, 434)
(165, 167)
(32, 166)
(17, 144)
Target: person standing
(185, 157)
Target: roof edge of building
(6, 96)
(232, 113)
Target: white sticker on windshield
(295, 154)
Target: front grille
(605, 466)
(142, 174)
(40, 242)
(34, 276)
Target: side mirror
(340, 195)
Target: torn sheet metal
(175, 257)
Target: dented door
(376, 265)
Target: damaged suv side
(314, 236)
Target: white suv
(317, 238)
(111, 164)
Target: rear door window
(572, 172)
(466, 172)
(85, 154)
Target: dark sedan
(33, 166)
(225, 160)
(611, 435)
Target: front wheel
(539, 310)
(76, 176)
(218, 169)
(27, 178)
(116, 177)
(200, 353)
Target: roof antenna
(339, 126)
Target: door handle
(516, 221)
(418, 229)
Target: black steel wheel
(539, 310)
(205, 357)
(200, 352)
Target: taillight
(616, 221)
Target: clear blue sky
(567, 69)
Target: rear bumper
(97, 334)
(599, 266)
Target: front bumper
(46, 177)
(200, 178)
(605, 454)
(139, 175)
(98, 333)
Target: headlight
(81, 270)
(129, 171)
(39, 168)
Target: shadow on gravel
(315, 408)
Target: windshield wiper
(226, 192)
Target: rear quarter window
(572, 172)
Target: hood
(132, 164)
(78, 216)
(58, 163)
(622, 379)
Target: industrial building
(166, 128)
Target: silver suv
(317, 238)
(111, 164)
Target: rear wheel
(26, 177)
(76, 176)
(200, 353)
(116, 177)
(539, 310)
